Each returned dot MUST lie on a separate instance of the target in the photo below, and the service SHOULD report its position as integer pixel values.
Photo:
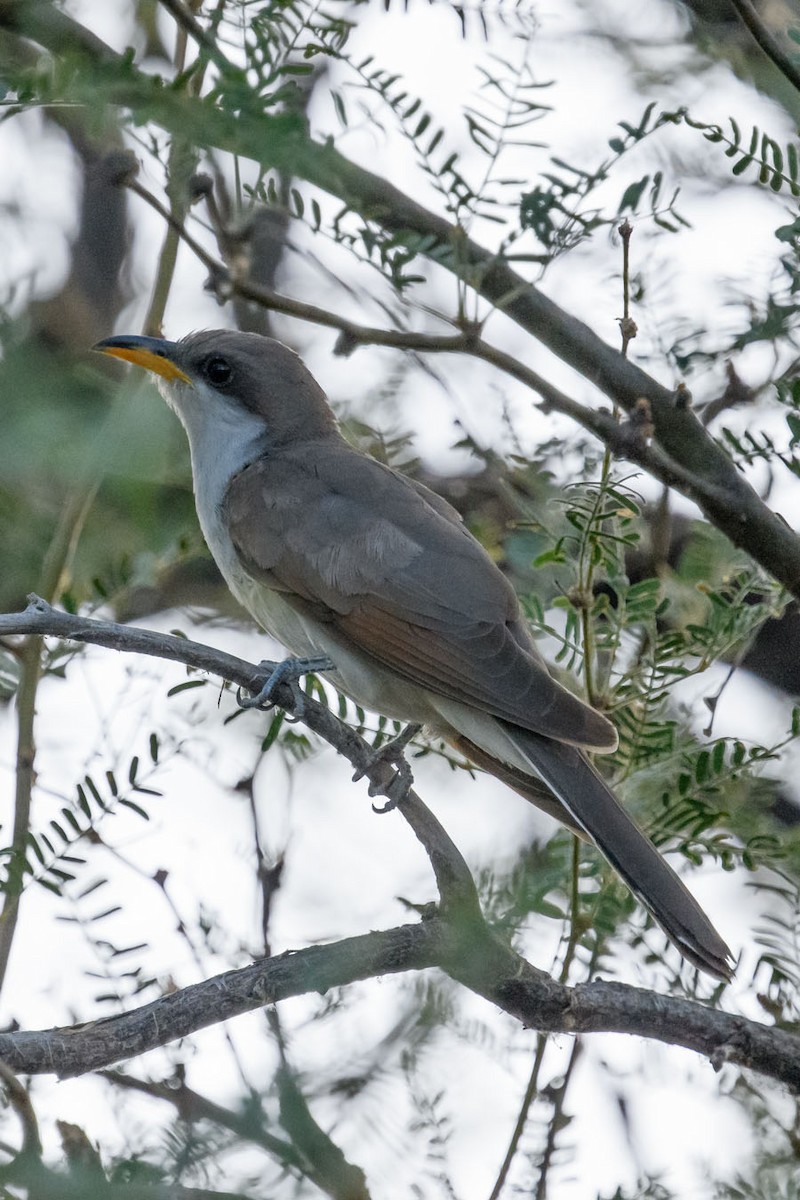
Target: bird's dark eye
(217, 370)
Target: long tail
(583, 801)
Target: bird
(342, 558)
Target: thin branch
(226, 284)
(187, 21)
(20, 1101)
(24, 775)
(625, 440)
(326, 1162)
(59, 554)
(192, 1106)
(337, 1178)
(531, 1090)
(453, 878)
(556, 1123)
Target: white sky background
(345, 867)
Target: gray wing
(392, 567)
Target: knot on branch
(36, 604)
(736, 1048)
(682, 397)
(628, 328)
(638, 431)
(120, 167)
(345, 344)
(200, 187)
(220, 284)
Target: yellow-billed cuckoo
(337, 555)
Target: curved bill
(154, 354)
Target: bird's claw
(290, 671)
(396, 791)
(392, 754)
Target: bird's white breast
(223, 439)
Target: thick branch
(281, 141)
(473, 957)
(73, 1050)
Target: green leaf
(54, 825)
(555, 555)
(632, 196)
(92, 786)
(83, 803)
(741, 166)
(718, 756)
(274, 729)
(134, 807)
(36, 848)
(184, 687)
(701, 771)
(69, 816)
(339, 106)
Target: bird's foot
(392, 753)
(289, 671)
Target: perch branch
(455, 938)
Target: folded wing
(391, 566)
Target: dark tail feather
(590, 805)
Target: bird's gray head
(221, 378)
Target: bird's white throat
(223, 438)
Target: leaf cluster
(557, 211)
(51, 858)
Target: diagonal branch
(624, 440)
(192, 1106)
(281, 141)
(188, 22)
(74, 1050)
(766, 41)
(453, 878)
